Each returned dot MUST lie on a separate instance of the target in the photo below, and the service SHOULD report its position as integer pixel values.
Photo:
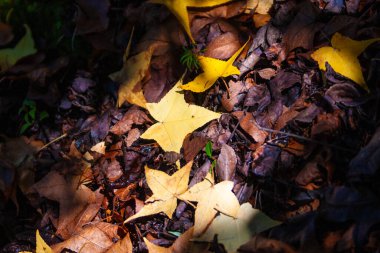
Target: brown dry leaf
(267, 73)
(237, 92)
(133, 135)
(261, 19)
(92, 16)
(249, 125)
(192, 145)
(122, 246)
(166, 190)
(259, 6)
(132, 116)
(96, 237)
(226, 163)
(6, 34)
(211, 198)
(78, 204)
(180, 245)
(99, 148)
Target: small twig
(51, 142)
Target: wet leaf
(212, 70)
(176, 119)
(233, 232)
(166, 190)
(99, 148)
(25, 47)
(342, 57)
(211, 198)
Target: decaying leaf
(212, 70)
(180, 245)
(95, 237)
(166, 190)
(25, 47)
(179, 9)
(259, 6)
(176, 119)
(234, 232)
(133, 71)
(211, 198)
(77, 203)
(226, 163)
(342, 57)
(99, 148)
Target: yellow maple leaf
(132, 73)
(176, 119)
(234, 232)
(165, 190)
(41, 245)
(180, 245)
(179, 9)
(211, 198)
(25, 47)
(342, 57)
(212, 70)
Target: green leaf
(44, 115)
(208, 149)
(25, 47)
(25, 127)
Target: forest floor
(185, 126)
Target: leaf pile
(190, 126)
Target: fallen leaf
(92, 16)
(211, 198)
(6, 34)
(226, 163)
(176, 119)
(96, 237)
(133, 135)
(132, 73)
(122, 246)
(132, 116)
(41, 245)
(166, 190)
(250, 126)
(234, 232)
(99, 148)
(212, 70)
(179, 9)
(237, 91)
(25, 47)
(77, 203)
(342, 57)
(261, 19)
(180, 245)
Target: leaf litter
(282, 150)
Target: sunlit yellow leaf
(233, 232)
(342, 57)
(25, 47)
(212, 70)
(211, 198)
(133, 71)
(165, 190)
(176, 119)
(179, 9)
(41, 245)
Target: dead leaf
(132, 73)
(25, 47)
(6, 34)
(226, 163)
(132, 116)
(78, 204)
(166, 190)
(236, 94)
(99, 148)
(259, 6)
(122, 246)
(211, 198)
(179, 9)
(249, 125)
(212, 70)
(41, 245)
(133, 135)
(176, 119)
(342, 57)
(180, 245)
(234, 232)
(95, 237)
(92, 16)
